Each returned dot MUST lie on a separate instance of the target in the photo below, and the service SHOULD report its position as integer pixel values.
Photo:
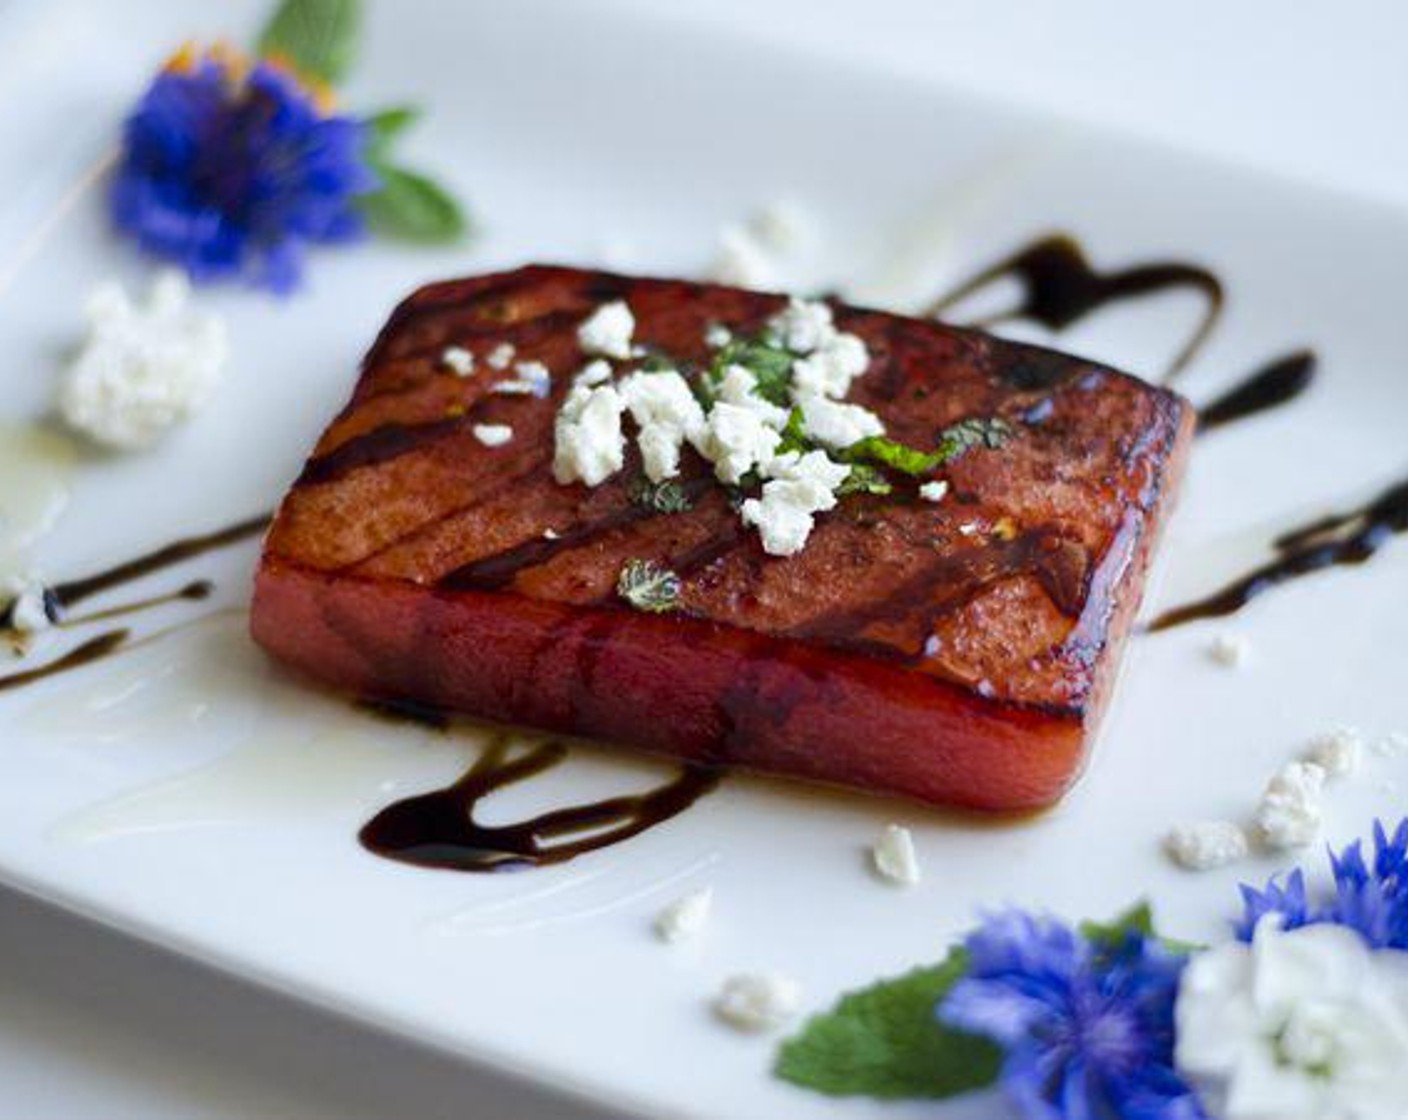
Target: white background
(95, 1026)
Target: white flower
(143, 369)
(1309, 1024)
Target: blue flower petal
(234, 176)
(1086, 1028)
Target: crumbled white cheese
(142, 369)
(1205, 845)
(935, 491)
(457, 360)
(1231, 650)
(743, 260)
(781, 225)
(1290, 813)
(550, 534)
(798, 487)
(534, 380)
(1336, 752)
(667, 413)
(717, 336)
(607, 331)
(836, 424)
(894, 856)
(804, 325)
(829, 370)
(492, 435)
(736, 439)
(595, 372)
(758, 1002)
(685, 917)
(501, 356)
(739, 386)
(589, 444)
(25, 600)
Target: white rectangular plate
(191, 793)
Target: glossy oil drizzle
(1274, 384)
(94, 649)
(1059, 287)
(1341, 539)
(438, 829)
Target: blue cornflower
(1372, 900)
(230, 169)
(1086, 1024)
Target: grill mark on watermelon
(499, 569)
(957, 580)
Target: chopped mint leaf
(953, 442)
(663, 497)
(990, 432)
(768, 362)
(658, 363)
(885, 1042)
(864, 479)
(888, 453)
(386, 125)
(411, 207)
(648, 587)
(794, 434)
(317, 37)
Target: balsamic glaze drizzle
(1344, 538)
(438, 829)
(1276, 383)
(1059, 286)
(188, 548)
(64, 595)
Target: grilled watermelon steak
(949, 631)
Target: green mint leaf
(1139, 918)
(769, 363)
(318, 37)
(864, 479)
(409, 206)
(896, 456)
(656, 362)
(989, 432)
(648, 587)
(884, 1042)
(663, 497)
(953, 442)
(386, 125)
(794, 435)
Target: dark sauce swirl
(1342, 539)
(61, 596)
(438, 829)
(1059, 287)
(1276, 383)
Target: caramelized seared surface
(1013, 587)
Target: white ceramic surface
(189, 793)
